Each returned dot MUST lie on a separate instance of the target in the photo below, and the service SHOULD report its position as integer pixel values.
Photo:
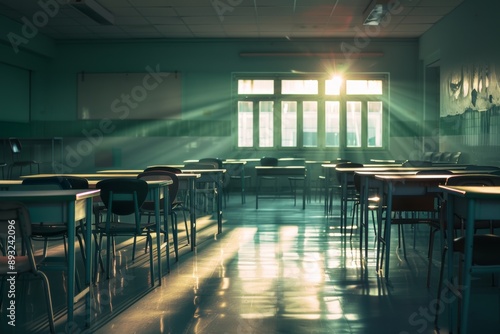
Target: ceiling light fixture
(94, 10)
(375, 12)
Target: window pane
(374, 124)
(332, 123)
(299, 86)
(365, 87)
(310, 124)
(266, 125)
(245, 124)
(255, 86)
(289, 124)
(332, 87)
(353, 123)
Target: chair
(122, 197)
(216, 161)
(486, 247)
(205, 184)
(293, 181)
(16, 150)
(272, 162)
(14, 216)
(411, 209)
(180, 201)
(53, 231)
(219, 164)
(49, 231)
(434, 224)
(349, 193)
(330, 186)
(371, 205)
(147, 207)
(455, 157)
(237, 174)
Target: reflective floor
(278, 269)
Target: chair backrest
(77, 182)
(123, 196)
(49, 182)
(473, 180)
(216, 161)
(164, 168)
(350, 178)
(427, 156)
(455, 157)
(15, 220)
(269, 161)
(163, 175)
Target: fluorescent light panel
(94, 10)
(374, 13)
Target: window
(266, 124)
(289, 124)
(245, 124)
(332, 123)
(310, 123)
(311, 112)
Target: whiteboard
(149, 95)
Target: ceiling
(149, 19)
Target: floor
(278, 269)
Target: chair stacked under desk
(279, 171)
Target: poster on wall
(469, 87)
(150, 95)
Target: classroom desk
(189, 178)
(156, 187)
(368, 181)
(72, 206)
(346, 172)
(475, 203)
(217, 175)
(400, 185)
(331, 168)
(280, 171)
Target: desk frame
(281, 171)
(475, 203)
(69, 199)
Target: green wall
(207, 125)
(469, 60)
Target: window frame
(321, 99)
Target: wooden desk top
(203, 171)
(280, 167)
(48, 195)
(488, 192)
(412, 177)
(101, 176)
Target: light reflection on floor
(279, 270)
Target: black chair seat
(48, 230)
(486, 248)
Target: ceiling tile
(244, 18)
